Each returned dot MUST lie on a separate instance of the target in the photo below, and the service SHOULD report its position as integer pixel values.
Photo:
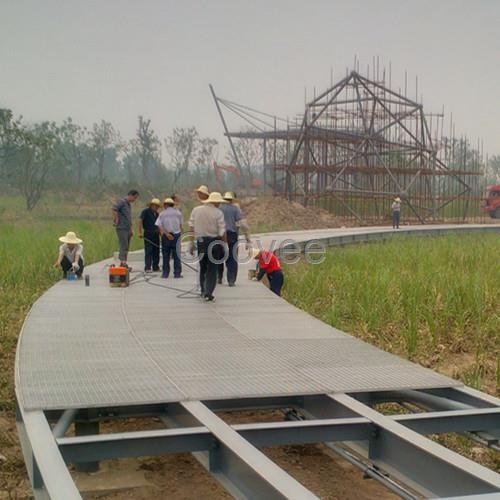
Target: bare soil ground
(181, 476)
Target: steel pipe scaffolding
(358, 145)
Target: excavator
(220, 169)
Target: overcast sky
(117, 59)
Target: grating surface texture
(94, 346)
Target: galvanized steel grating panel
(97, 346)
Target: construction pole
(224, 124)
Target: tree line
(37, 157)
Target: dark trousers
(208, 268)
(169, 248)
(66, 265)
(276, 279)
(124, 236)
(151, 250)
(395, 219)
(232, 259)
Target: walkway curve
(91, 347)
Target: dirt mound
(278, 214)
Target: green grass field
(27, 251)
(433, 300)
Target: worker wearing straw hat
(396, 212)
(232, 218)
(207, 224)
(148, 230)
(202, 193)
(70, 255)
(169, 223)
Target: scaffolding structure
(356, 147)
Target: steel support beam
(194, 439)
(135, 444)
(47, 471)
(252, 473)
(419, 462)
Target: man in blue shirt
(122, 220)
(170, 223)
(232, 218)
(148, 230)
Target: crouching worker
(70, 255)
(269, 264)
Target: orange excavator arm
(218, 169)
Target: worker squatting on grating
(269, 265)
(170, 223)
(122, 220)
(147, 229)
(207, 223)
(70, 257)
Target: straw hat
(169, 201)
(203, 189)
(256, 252)
(214, 197)
(71, 238)
(228, 195)
(155, 201)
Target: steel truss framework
(357, 146)
(392, 449)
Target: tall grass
(420, 297)
(27, 251)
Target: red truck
(492, 201)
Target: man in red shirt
(270, 265)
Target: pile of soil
(278, 214)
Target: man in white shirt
(207, 223)
(170, 223)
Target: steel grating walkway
(84, 347)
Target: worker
(70, 257)
(169, 223)
(147, 229)
(176, 198)
(269, 264)
(396, 212)
(202, 193)
(122, 220)
(232, 218)
(207, 224)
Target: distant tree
(10, 134)
(103, 137)
(205, 154)
(181, 148)
(147, 147)
(35, 158)
(250, 156)
(75, 149)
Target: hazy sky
(117, 59)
